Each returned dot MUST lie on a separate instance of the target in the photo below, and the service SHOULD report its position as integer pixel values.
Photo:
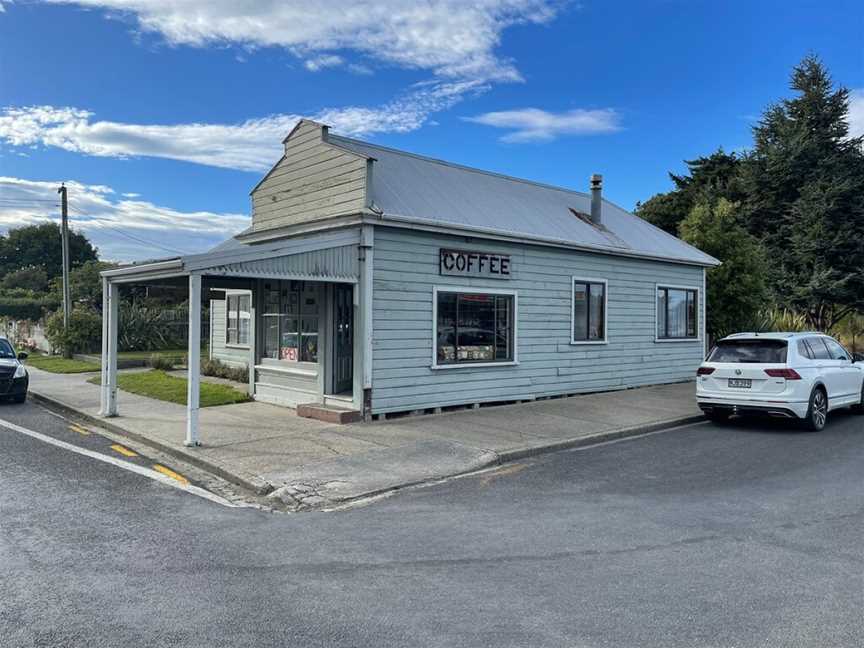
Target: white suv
(793, 375)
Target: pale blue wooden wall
(406, 269)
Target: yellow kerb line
(126, 452)
(80, 430)
(170, 473)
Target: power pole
(64, 231)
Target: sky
(160, 116)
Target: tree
(85, 283)
(804, 187)
(712, 176)
(852, 329)
(737, 291)
(33, 279)
(39, 246)
(83, 334)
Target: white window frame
(238, 293)
(573, 281)
(699, 314)
(476, 291)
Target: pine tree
(804, 188)
(708, 177)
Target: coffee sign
(462, 263)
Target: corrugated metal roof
(423, 189)
(333, 264)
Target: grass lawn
(161, 386)
(59, 364)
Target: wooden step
(328, 413)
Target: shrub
(151, 328)
(33, 278)
(160, 362)
(83, 335)
(218, 369)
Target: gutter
(156, 266)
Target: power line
(54, 200)
(132, 237)
(29, 201)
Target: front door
(343, 339)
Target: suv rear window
(766, 351)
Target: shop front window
(474, 328)
(290, 317)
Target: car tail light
(704, 371)
(788, 374)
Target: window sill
(294, 371)
(474, 365)
(665, 340)
(237, 346)
(588, 342)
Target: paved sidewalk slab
(309, 463)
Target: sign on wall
(462, 263)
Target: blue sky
(161, 116)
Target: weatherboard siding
(406, 270)
(313, 180)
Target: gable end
(312, 181)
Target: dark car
(13, 376)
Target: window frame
(305, 367)
(828, 340)
(585, 280)
(699, 318)
(821, 339)
(238, 294)
(474, 290)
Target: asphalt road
(743, 535)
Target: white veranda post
(103, 390)
(194, 363)
(110, 313)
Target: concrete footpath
(311, 464)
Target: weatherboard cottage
(375, 281)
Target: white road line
(125, 465)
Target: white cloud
(856, 113)
(323, 62)
(127, 229)
(453, 39)
(252, 145)
(533, 124)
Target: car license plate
(741, 383)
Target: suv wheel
(859, 408)
(817, 413)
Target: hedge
(26, 308)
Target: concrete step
(345, 402)
(328, 413)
